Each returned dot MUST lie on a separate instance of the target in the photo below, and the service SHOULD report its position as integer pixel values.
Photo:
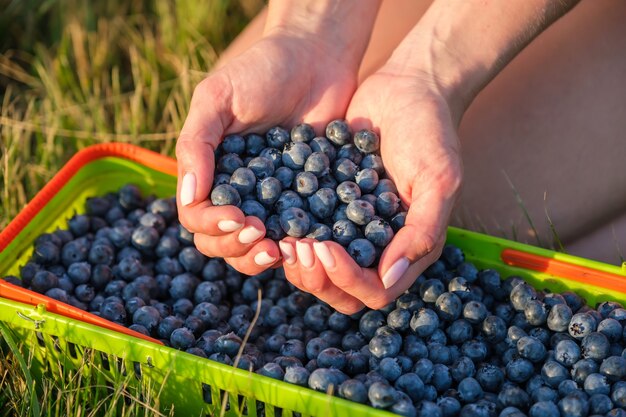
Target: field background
(76, 72)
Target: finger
(314, 279)
(420, 242)
(233, 244)
(211, 220)
(263, 255)
(287, 248)
(208, 117)
(361, 283)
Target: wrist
(337, 29)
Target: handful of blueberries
(459, 342)
(300, 185)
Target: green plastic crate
(180, 377)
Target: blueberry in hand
(338, 132)
(295, 222)
(317, 164)
(302, 132)
(379, 232)
(224, 195)
(262, 167)
(268, 190)
(277, 137)
(344, 170)
(348, 191)
(305, 184)
(243, 180)
(366, 141)
(344, 232)
(295, 155)
(363, 252)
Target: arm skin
(416, 102)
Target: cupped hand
(421, 153)
(283, 79)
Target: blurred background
(77, 72)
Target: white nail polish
(394, 273)
(249, 235)
(263, 258)
(305, 254)
(289, 255)
(324, 255)
(228, 225)
(188, 189)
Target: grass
(74, 73)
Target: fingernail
(263, 258)
(394, 273)
(228, 225)
(305, 254)
(188, 189)
(289, 254)
(324, 255)
(249, 235)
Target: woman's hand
(420, 150)
(304, 69)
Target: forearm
(340, 27)
(460, 46)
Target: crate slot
(105, 361)
(223, 394)
(242, 405)
(71, 349)
(206, 393)
(137, 369)
(40, 339)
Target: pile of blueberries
(459, 342)
(329, 187)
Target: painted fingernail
(188, 189)
(229, 225)
(263, 258)
(249, 235)
(305, 254)
(324, 255)
(394, 273)
(289, 255)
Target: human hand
(420, 150)
(283, 79)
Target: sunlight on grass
(74, 73)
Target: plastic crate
(180, 378)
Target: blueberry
(338, 132)
(397, 221)
(344, 232)
(470, 390)
(295, 155)
(442, 378)
(262, 167)
(113, 310)
(331, 358)
(559, 317)
(581, 325)
(424, 322)
(573, 406)
(221, 179)
(554, 373)
(431, 289)
(46, 253)
(320, 232)
(74, 251)
(611, 328)
(287, 199)
(535, 312)
(254, 208)
(85, 293)
(600, 404)
(317, 164)
(305, 184)
(44, 281)
(386, 343)
(521, 294)
(344, 170)
(390, 369)
(448, 306)
(490, 377)
(363, 252)
(366, 141)
(167, 246)
(531, 348)
(475, 312)
(243, 180)
(381, 395)
(322, 379)
(234, 144)
(268, 190)
(595, 346)
(614, 368)
(225, 194)
(277, 137)
(449, 406)
(322, 203)
(57, 294)
(254, 144)
(459, 331)
(295, 222)
(387, 204)
(323, 145)
(353, 390)
(618, 394)
(544, 409)
(348, 191)
(229, 163)
(79, 273)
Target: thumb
(419, 243)
(209, 116)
